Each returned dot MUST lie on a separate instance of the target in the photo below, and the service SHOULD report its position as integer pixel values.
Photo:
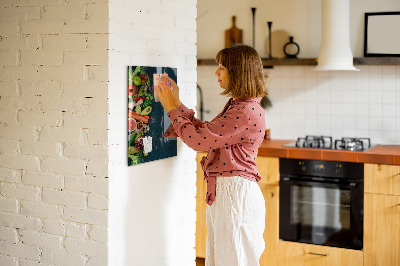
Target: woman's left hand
(165, 96)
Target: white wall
(152, 205)
(53, 133)
(334, 103)
(337, 103)
(301, 19)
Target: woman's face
(223, 76)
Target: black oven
(321, 202)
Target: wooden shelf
(269, 63)
(377, 61)
(289, 62)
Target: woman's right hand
(175, 91)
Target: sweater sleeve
(187, 113)
(232, 127)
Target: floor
(200, 262)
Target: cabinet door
(268, 167)
(381, 230)
(201, 205)
(271, 232)
(382, 179)
(299, 254)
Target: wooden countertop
(380, 154)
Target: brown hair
(245, 69)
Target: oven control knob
(338, 168)
(302, 166)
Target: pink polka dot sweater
(232, 139)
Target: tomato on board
(132, 89)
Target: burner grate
(353, 144)
(326, 142)
(322, 142)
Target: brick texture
(54, 54)
(63, 133)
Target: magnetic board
(147, 120)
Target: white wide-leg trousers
(235, 223)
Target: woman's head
(245, 72)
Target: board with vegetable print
(147, 120)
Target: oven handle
(310, 182)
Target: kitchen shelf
(377, 61)
(269, 63)
(289, 62)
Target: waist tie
(210, 196)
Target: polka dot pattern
(232, 139)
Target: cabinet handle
(318, 254)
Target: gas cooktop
(326, 142)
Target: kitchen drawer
(299, 254)
(382, 179)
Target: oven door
(321, 212)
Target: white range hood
(335, 52)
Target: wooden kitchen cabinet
(381, 230)
(382, 215)
(300, 254)
(201, 205)
(271, 232)
(382, 179)
(268, 167)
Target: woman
(236, 211)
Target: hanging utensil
(253, 10)
(269, 38)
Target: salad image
(146, 123)
(139, 108)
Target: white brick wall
(152, 205)
(60, 138)
(53, 132)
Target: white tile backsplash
(349, 96)
(362, 123)
(375, 110)
(336, 122)
(361, 97)
(389, 111)
(389, 83)
(375, 97)
(323, 95)
(389, 124)
(389, 97)
(310, 108)
(375, 83)
(335, 109)
(362, 110)
(363, 103)
(348, 109)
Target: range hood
(335, 52)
